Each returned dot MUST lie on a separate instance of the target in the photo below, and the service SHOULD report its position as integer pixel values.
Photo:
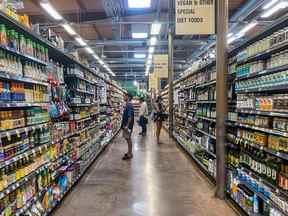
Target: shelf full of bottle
(65, 144)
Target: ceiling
(107, 26)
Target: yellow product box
(260, 139)
(273, 142)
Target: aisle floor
(160, 181)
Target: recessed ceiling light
(139, 3)
(153, 41)
(151, 50)
(139, 35)
(139, 55)
(51, 11)
(155, 28)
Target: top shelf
(52, 50)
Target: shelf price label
(195, 17)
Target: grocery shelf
(206, 84)
(198, 162)
(265, 54)
(22, 181)
(23, 56)
(16, 131)
(277, 88)
(207, 134)
(206, 102)
(264, 198)
(266, 130)
(262, 73)
(268, 113)
(91, 161)
(8, 104)
(7, 76)
(81, 78)
(207, 118)
(274, 188)
(267, 150)
(23, 155)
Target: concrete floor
(160, 181)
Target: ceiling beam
(83, 8)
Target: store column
(170, 65)
(221, 92)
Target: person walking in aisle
(159, 116)
(127, 125)
(143, 112)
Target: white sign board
(195, 17)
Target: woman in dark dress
(159, 117)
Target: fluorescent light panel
(274, 9)
(51, 11)
(153, 41)
(69, 29)
(248, 28)
(151, 50)
(138, 35)
(271, 3)
(139, 55)
(139, 3)
(89, 50)
(81, 41)
(155, 28)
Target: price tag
(278, 154)
(33, 128)
(7, 105)
(26, 131)
(18, 133)
(8, 136)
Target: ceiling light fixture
(89, 50)
(248, 28)
(69, 29)
(139, 55)
(153, 41)
(81, 41)
(139, 3)
(135, 83)
(155, 28)
(51, 11)
(268, 5)
(274, 9)
(96, 56)
(139, 35)
(151, 50)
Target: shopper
(143, 120)
(159, 116)
(127, 125)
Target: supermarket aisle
(159, 181)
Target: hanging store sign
(153, 82)
(160, 63)
(195, 17)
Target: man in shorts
(127, 125)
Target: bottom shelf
(78, 169)
(197, 161)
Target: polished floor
(160, 181)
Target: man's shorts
(127, 133)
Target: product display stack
(56, 117)
(256, 127)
